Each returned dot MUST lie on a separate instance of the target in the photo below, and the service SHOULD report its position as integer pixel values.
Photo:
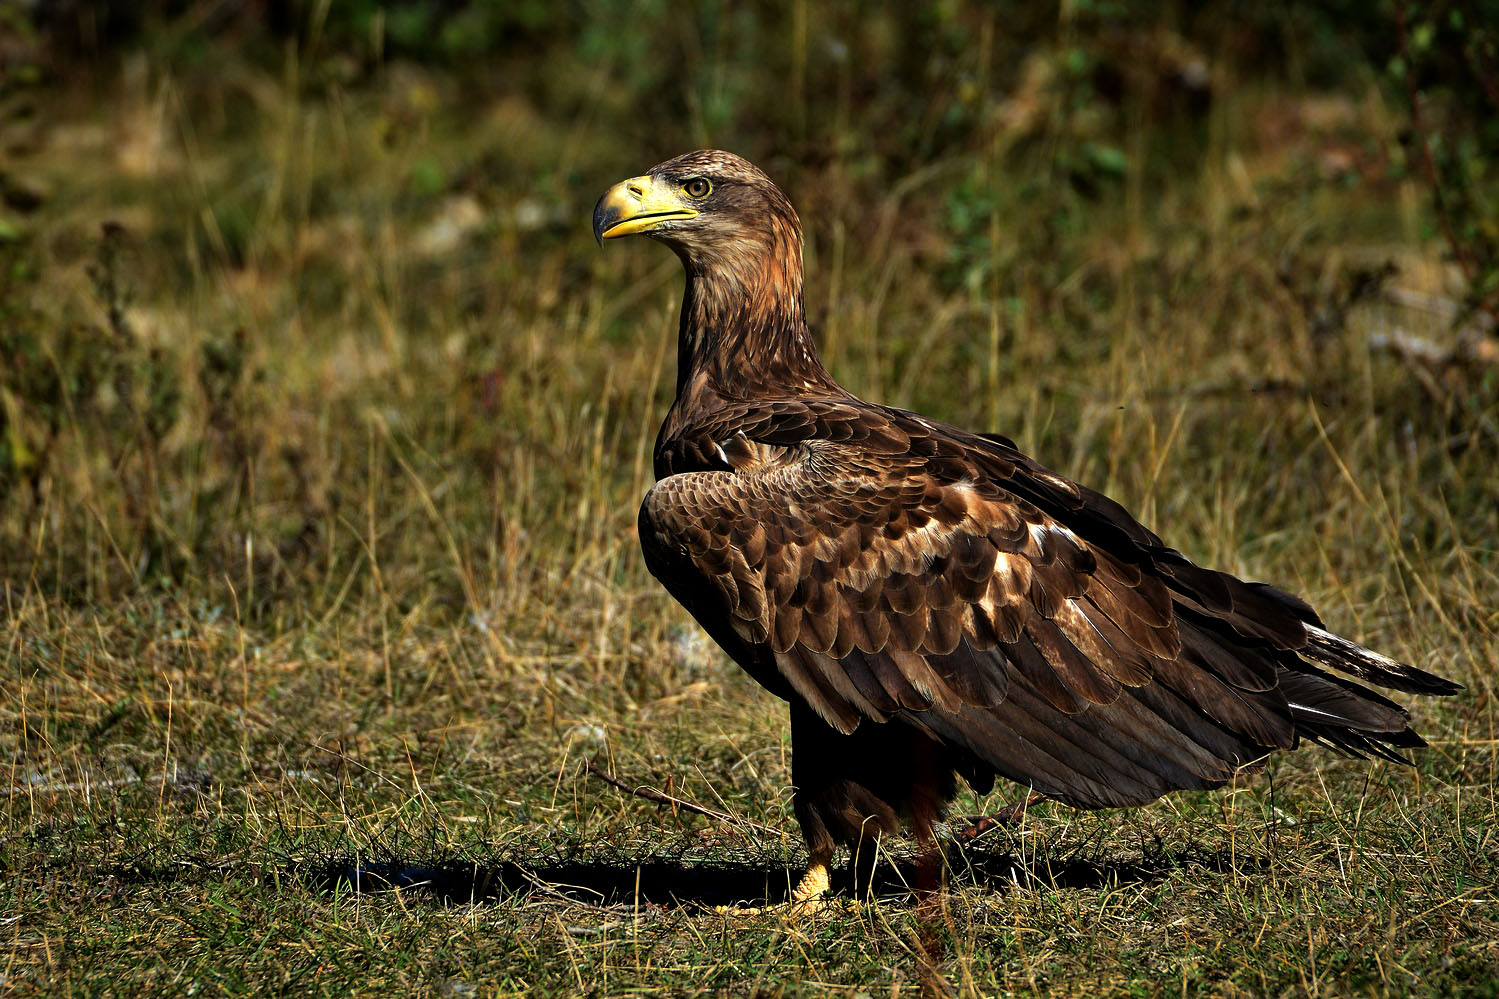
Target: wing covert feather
(878, 587)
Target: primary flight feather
(932, 602)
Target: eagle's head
(719, 212)
(743, 324)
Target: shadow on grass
(679, 883)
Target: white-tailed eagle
(932, 602)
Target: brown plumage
(930, 601)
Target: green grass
(318, 570)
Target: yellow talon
(814, 884)
(806, 897)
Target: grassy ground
(317, 504)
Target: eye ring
(697, 188)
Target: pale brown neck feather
(743, 330)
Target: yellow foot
(807, 897)
(814, 884)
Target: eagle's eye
(697, 188)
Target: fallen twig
(651, 794)
(1008, 816)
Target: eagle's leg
(854, 789)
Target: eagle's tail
(1348, 716)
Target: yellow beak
(639, 204)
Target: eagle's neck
(743, 330)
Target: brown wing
(875, 590)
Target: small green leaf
(1109, 159)
(428, 177)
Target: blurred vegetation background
(323, 425)
(1012, 154)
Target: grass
(320, 586)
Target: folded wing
(899, 584)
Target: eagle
(931, 602)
